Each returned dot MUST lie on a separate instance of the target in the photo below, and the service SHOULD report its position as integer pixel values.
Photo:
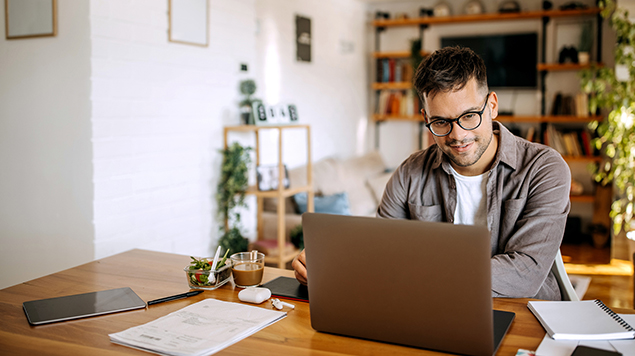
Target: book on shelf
(391, 70)
(580, 320)
(574, 143)
(397, 103)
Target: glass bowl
(208, 280)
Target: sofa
(359, 180)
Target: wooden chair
(566, 288)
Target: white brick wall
(158, 112)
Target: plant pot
(583, 57)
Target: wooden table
(154, 275)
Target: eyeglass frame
(457, 120)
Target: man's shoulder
(420, 159)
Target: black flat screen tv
(511, 59)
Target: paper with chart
(202, 328)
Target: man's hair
(449, 69)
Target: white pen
(212, 276)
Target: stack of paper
(198, 329)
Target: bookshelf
(281, 193)
(565, 123)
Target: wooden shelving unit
(485, 17)
(548, 119)
(543, 68)
(281, 193)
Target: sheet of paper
(202, 328)
(551, 347)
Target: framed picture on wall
(303, 38)
(30, 18)
(188, 22)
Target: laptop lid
(421, 284)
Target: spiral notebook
(581, 320)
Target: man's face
(470, 151)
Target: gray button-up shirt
(527, 205)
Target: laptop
(413, 283)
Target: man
(478, 173)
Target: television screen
(511, 60)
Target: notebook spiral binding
(613, 315)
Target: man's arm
(530, 247)
(299, 266)
(394, 202)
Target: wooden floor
(616, 291)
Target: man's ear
(493, 104)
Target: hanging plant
(612, 89)
(230, 196)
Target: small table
(154, 275)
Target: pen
(175, 297)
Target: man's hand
(299, 265)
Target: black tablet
(77, 306)
(286, 287)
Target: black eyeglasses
(468, 121)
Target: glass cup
(248, 268)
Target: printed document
(202, 328)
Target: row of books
(577, 105)
(393, 70)
(397, 103)
(575, 143)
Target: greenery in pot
(613, 90)
(247, 88)
(230, 196)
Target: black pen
(175, 297)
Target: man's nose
(457, 133)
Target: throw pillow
(327, 204)
(378, 184)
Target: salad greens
(198, 276)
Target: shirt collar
(507, 156)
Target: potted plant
(230, 196)
(248, 88)
(612, 90)
(586, 42)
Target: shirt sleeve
(394, 202)
(522, 269)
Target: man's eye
(469, 116)
(440, 123)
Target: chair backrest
(566, 288)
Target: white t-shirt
(471, 205)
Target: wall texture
(45, 150)
(109, 134)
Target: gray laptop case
(413, 283)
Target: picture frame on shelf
(268, 177)
(293, 113)
(259, 111)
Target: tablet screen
(81, 305)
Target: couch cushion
(332, 176)
(327, 204)
(377, 185)
(354, 173)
